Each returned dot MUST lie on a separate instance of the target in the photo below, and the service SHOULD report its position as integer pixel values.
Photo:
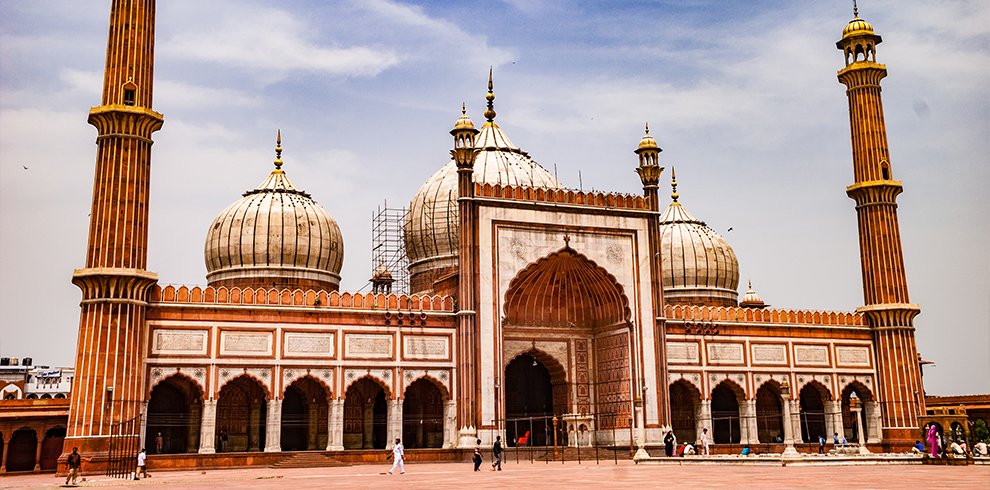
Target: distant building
(20, 380)
(34, 411)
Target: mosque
(541, 314)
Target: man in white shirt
(397, 454)
(704, 441)
(142, 469)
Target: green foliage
(981, 432)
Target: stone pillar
(450, 424)
(37, 451)
(860, 439)
(872, 414)
(208, 427)
(788, 422)
(704, 420)
(640, 430)
(394, 422)
(143, 434)
(830, 409)
(3, 459)
(796, 421)
(192, 437)
(273, 427)
(312, 417)
(750, 432)
(837, 424)
(254, 427)
(335, 426)
(369, 426)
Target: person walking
(497, 454)
(821, 444)
(142, 465)
(397, 454)
(74, 461)
(668, 443)
(704, 442)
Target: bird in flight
(730, 229)
(25, 167)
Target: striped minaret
(108, 386)
(875, 191)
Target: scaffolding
(388, 245)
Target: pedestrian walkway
(625, 474)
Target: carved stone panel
(246, 343)
(683, 352)
(811, 355)
(179, 342)
(725, 353)
(426, 347)
(852, 356)
(305, 344)
(769, 354)
(368, 346)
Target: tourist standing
(668, 443)
(397, 454)
(73, 462)
(497, 454)
(704, 442)
(159, 442)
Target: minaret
(649, 171)
(464, 154)
(108, 388)
(875, 191)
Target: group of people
(671, 448)
(937, 448)
(398, 452)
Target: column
(796, 422)
(192, 438)
(394, 418)
(207, 427)
(873, 433)
(335, 425)
(704, 420)
(142, 435)
(273, 428)
(837, 424)
(750, 432)
(6, 446)
(37, 451)
(312, 415)
(830, 410)
(788, 424)
(640, 430)
(450, 424)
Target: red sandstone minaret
(875, 191)
(108, 387)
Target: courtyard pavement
(540, 475)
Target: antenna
(580, 182)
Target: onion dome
(699, 266)
(751, 299)
(431, 227)
(275, 236)
(857, 26)
(648, 143)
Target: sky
(742, 97)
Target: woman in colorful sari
(932, 438)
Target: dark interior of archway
(422, 415)
(20, 454)
(812, 414)
(173, 412)
(528, 401)
(51, 448)
(683, 407)
(725, 416)
(769, 415)
(241, 414)
(365, 416)
(849, 417)
(304, 416)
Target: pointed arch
(557, 371)
(565, 289)
(200, 392)
(328, 390)
(250, 376)
(444, 392)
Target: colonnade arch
(304, 420)
(174, 414)
(726, 399)
(814, 414)
(685, 410)
(867, 405)
(22, 450)
(366, 415)
(769, 413)
(423, 414)
(241, 415)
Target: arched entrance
(304, 416)
(174, 412)
(849, 417)
(530, 401)
(769, 414)
(812, 399)
(726, 398)
(51, 448)
(365, 415)
(21, 453)
(567, 292)
(422, 415)
(241, 414)
(685, 403)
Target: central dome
(275, 236)
(431, 227)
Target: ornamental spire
(490, 97)
(673, 184)
(278, 150)
(855, 9)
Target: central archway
(304, 416)
(422, 415)
(726, 398)
(241, 415)
(365, 415)
(174, 412)
(530, 403)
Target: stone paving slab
(625, 474)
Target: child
(477, 459)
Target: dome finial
(278, 150)
(463, 108)
(647, 127)
(673, 184)
(855, 9)
(490, 97)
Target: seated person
(956, 449)
(685, 450)
(980, 449)
(918, 447)
(746, 451)
(779, 438)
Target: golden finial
(647, 127)
(278, 150)
(673, 184)
(490, 97)
(463, 108)
(855, 9)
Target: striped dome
(699, 266)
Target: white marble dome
(274, 236)
(432, 223)
(699, 266)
